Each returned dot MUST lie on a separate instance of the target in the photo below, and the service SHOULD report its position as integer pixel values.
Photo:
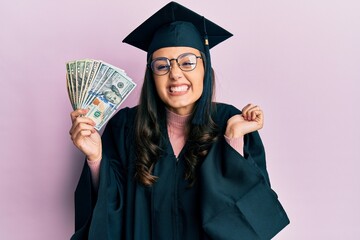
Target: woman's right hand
(84, 135)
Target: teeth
(179, 89)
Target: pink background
(299, 60)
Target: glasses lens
(187, 61)
(160, 66)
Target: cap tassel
(205, 33)
(204, 106)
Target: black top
(231, 199)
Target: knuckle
(78, 121)
(83, 126)
(84, 133)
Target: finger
(77, 113)
(81, 120)
(82, 129)
(246, 108)
(253, 112)
(258, 117)
(78, 139)
(251, 109)
(249, 106)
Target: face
(179, 90)
(112, 97)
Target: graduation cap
(175, 25)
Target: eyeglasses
(186, 62)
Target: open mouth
(179, 89)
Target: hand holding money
(84, 135)
(98, 87)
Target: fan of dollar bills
(97, 86)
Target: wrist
(95, 157)
(230, 133)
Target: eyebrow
(197, 54)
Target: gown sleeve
(98, 214)
(236, 198)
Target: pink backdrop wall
(299, 60)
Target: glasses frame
(169, 63)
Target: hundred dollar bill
(69, 86)
(99, 81)
(93, 71)
(115, 68)
(80, 69)
(85, 82)
(109, 97)
(72, 67)
(97, 86)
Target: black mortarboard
(176, 25)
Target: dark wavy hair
(151, 115)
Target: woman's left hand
(251, 119)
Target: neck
(176, 120)
(177, 130)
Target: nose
(175, 71)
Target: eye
(162, 67)
(187, 63)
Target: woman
(177, 166)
